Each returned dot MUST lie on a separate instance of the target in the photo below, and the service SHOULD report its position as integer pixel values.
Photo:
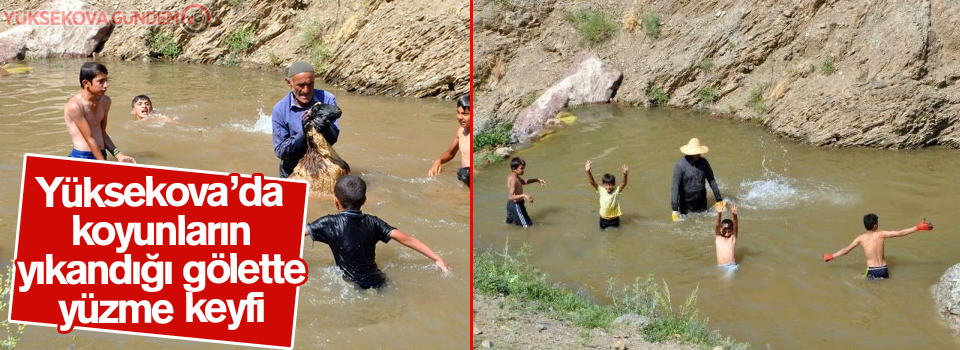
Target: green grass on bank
(595, 26)
(499, 273)
(497, 135)
(164, 44)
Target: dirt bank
(415, 48)
(831, 73)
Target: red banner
(157, 251)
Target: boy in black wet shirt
(353, 235)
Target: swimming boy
(726, 238)
(142, 107)
(609, 196)
(461, 142)
(516, 211)
(86, 117)
(872, 243)
(353, 235)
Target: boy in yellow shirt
(609, 197)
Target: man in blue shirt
(289, 139)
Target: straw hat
(694, 147)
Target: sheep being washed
(321, 166)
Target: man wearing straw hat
(688, 193)
(289, 140)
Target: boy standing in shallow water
(86, 117)
(353, 235)
(609, 196)
(872, 243)
(461, 142)
(726, 238)
(516, 211)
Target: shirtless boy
(872, 243)
(461, 142)
(726, 238)
(516, 211)
(86, 117)
(142, 107)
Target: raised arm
(421, 248)
(444, 158)
(624, 172)
(76, 116)
(541, 181)
(922, 226)
(842, 252)
(593, 183)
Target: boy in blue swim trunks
(86, 117)
(609, 196)
(353, 235)
(872, 243)
(726, 238)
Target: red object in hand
(827, 257)
(924, 226)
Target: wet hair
(138, 98)
(90, 70)
(464, 101)
(727, 221)
(516, 162)
(870, 220)
(609, 179)
(351, 191)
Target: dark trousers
(606, 223)
(517, 214)
(694, 202)
(286, 167)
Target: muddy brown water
(797, 203)
(223, 124)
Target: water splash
(262, 125)
(777, 191)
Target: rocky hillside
(831, 73)
(398, 48)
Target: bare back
(464, 141)
(85, 118)
(726, 246)
(872, 243)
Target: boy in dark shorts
(516, 211)
(353, 235)
(461, 143)
(609, 196)
(872, 243)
